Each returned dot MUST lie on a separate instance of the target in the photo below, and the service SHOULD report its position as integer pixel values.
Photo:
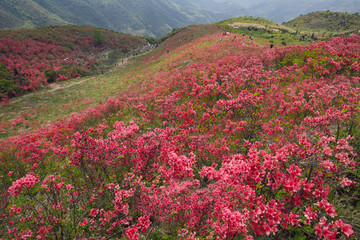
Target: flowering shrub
(243, 142)
(28, 181)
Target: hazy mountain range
(154, 17)
(137, 17)
(285, 10)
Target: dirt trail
(54, 87)
(124, 61)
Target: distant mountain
(26, 14)
(245, 3)
(137, 17)
(155, 17)
(223, 9)
(285, 10)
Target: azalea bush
(238, 142)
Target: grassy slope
(326, 22)
(92, 49)
(61, 100)
(270, 31)
(63, 34)
(65, 98)
(304, 29)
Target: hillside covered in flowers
(30, 59)
(220, 138)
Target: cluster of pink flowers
(28, 182)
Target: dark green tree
(99, 38)
(7, 82)
(51, 75)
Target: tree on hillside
(99, 38)
(7, 82)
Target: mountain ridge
(137, 17)
(283, 11)
(154, 18)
